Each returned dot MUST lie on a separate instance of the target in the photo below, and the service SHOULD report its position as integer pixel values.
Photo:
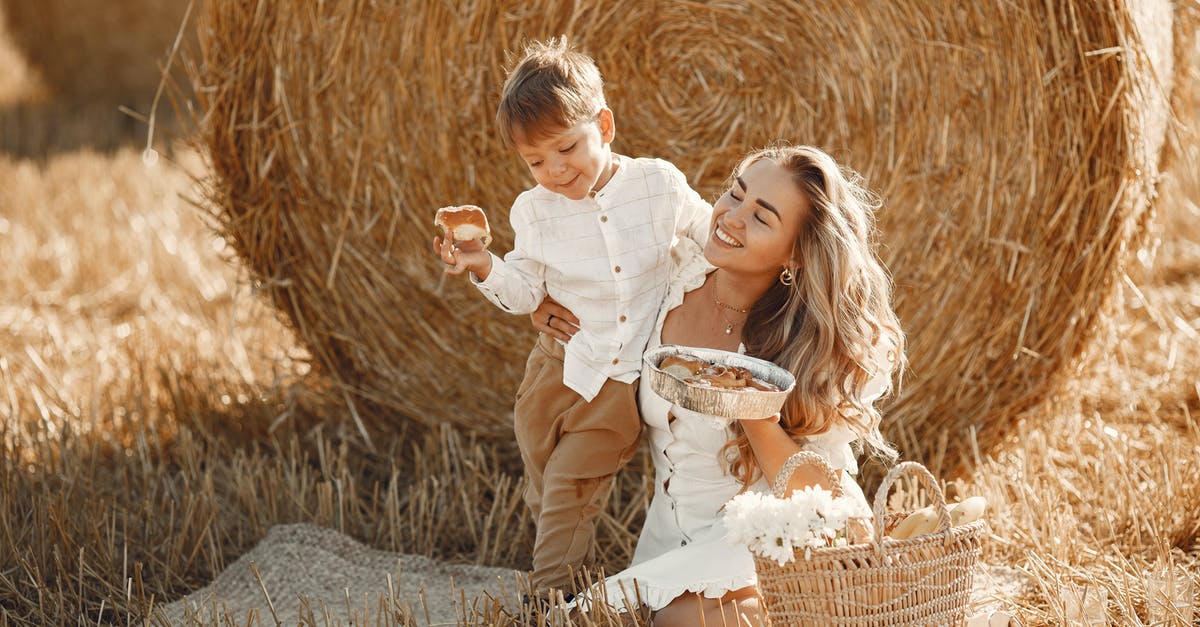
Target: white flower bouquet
(776, 528)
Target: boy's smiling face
(571, 161)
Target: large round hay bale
(86, 51)
(1014, 143)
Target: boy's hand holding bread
(464, 240)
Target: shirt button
(622, 319)
(616, 361)
(617, 269)
(604, 218)
(683, 543)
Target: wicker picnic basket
(924, 580)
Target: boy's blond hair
(552, 87)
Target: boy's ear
(608, 125)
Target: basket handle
(799, 459)
(926, 479)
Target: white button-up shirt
(606, 258)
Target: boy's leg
(539, 404)
(597, 439)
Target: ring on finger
(549, 319)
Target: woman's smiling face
(756, 221)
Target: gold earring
(786, 277)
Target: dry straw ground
(156, 419)
(1016, 145)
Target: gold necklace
(723, 306)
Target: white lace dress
(682, 547)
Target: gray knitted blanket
(312, 575)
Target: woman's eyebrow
(765, 205)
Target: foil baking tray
(731, 403)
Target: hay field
(156, 416)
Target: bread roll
(464, 223)
(720, 376)
(681, 367)
(968, 511)
(925, 520)
(918, 523)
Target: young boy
(594, 234)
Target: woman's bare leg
(737, 608)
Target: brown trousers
(571, 449)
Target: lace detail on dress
(691, 268)
(834, 446)
(655, 596)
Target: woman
(789, 275)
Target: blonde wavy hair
(833, 327)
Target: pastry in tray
(716, 382)
(702, 372)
